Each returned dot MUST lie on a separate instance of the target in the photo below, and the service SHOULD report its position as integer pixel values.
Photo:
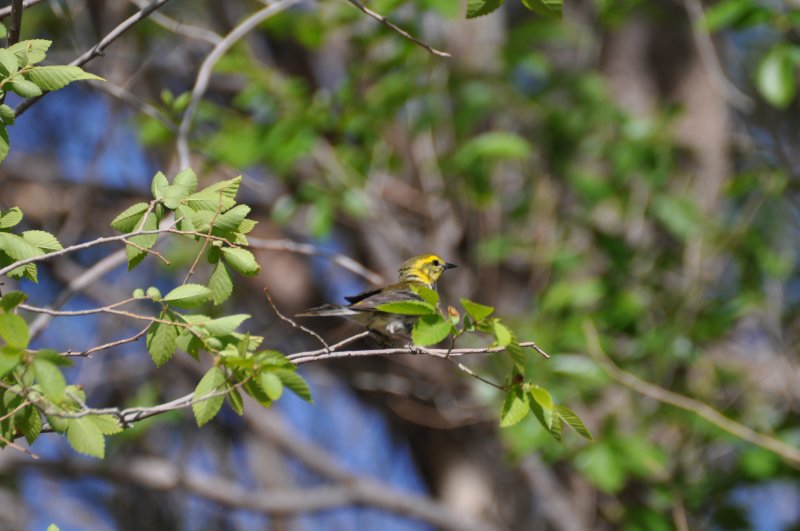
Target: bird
(388, 328)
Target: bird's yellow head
(425, 268)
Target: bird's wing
(372, 299)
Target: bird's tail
(327, 310)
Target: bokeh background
(621, 182)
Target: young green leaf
(85, 437)
(426, 294)
(271, 384)
(18, 247)
(29, 423)
(220, 284)
(410, 307)
(547, 8)
(30, 51)
(43, 240)
(430, 329)
(479, 8)
(235, 400)
(573, 421)
(225, 325)
(56, 77)
(129, 219)
(477, 311)
(8, 63)
(241, 260)
(515, 408)
(50, 380)
(159, 185)
(188, 296)
(775, 77)
(230, 220)
(7, 115)
(542, 406)
(502, 334)
(9, 358)
(136, 253)
(204, 407)
(10, 217)
(11, 300)
(107, 424)
(14, 331)
(162, 340)
(295, 383)
(23, 87)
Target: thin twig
(293, 323)
(148, 251)
(104, 309)
(98, 48)
(179, 28)
(472, 373)
(205, 240)
(5, 11)
(312, 356)
(341, 260)
(789, 453)
(400, 31)
(204, 74)
(88, 353)
(15, 446)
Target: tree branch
(16, 22)
(789, 453)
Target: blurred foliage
(597, 210)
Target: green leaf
(241, 260)
(478, 8)
(11, 300)
(53, 527)
(159, 185)
(225, 325)
(129, 219)
(4, 147)
(188, 296)
(7, 115)
(162, 340)
(23, 87)
(85, 437)
(50, 379)
(10, 218)
(271, 384)
(8, 63)
(426, 294)
(18, 247)
(56, 77)
(206, 409)
(43, 240)
(9, 358)
(145, 241)
(573, 421)
(430, 329)
(775, 77)
(107, 424)
(208, 200)
(30, 51)
(14, 331)
(186, 179)
(220, 284)
(547, 8)
(407, 308)
(235, 400)
(29, 422)
(478, 312)
(542, 406)
(502, 334)
(494, 145)
(230, 220)
(515, 408)
(295, 383)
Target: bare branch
(400, 31)
(345, 262)
(179, 28)
(293, 323)
(4, 12)
(204, 74)
(98, 48)
(789, 453)
(88, 352)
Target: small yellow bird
(421, 271)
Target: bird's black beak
(449, 266)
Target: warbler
(421, 271)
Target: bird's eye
(437, 263)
